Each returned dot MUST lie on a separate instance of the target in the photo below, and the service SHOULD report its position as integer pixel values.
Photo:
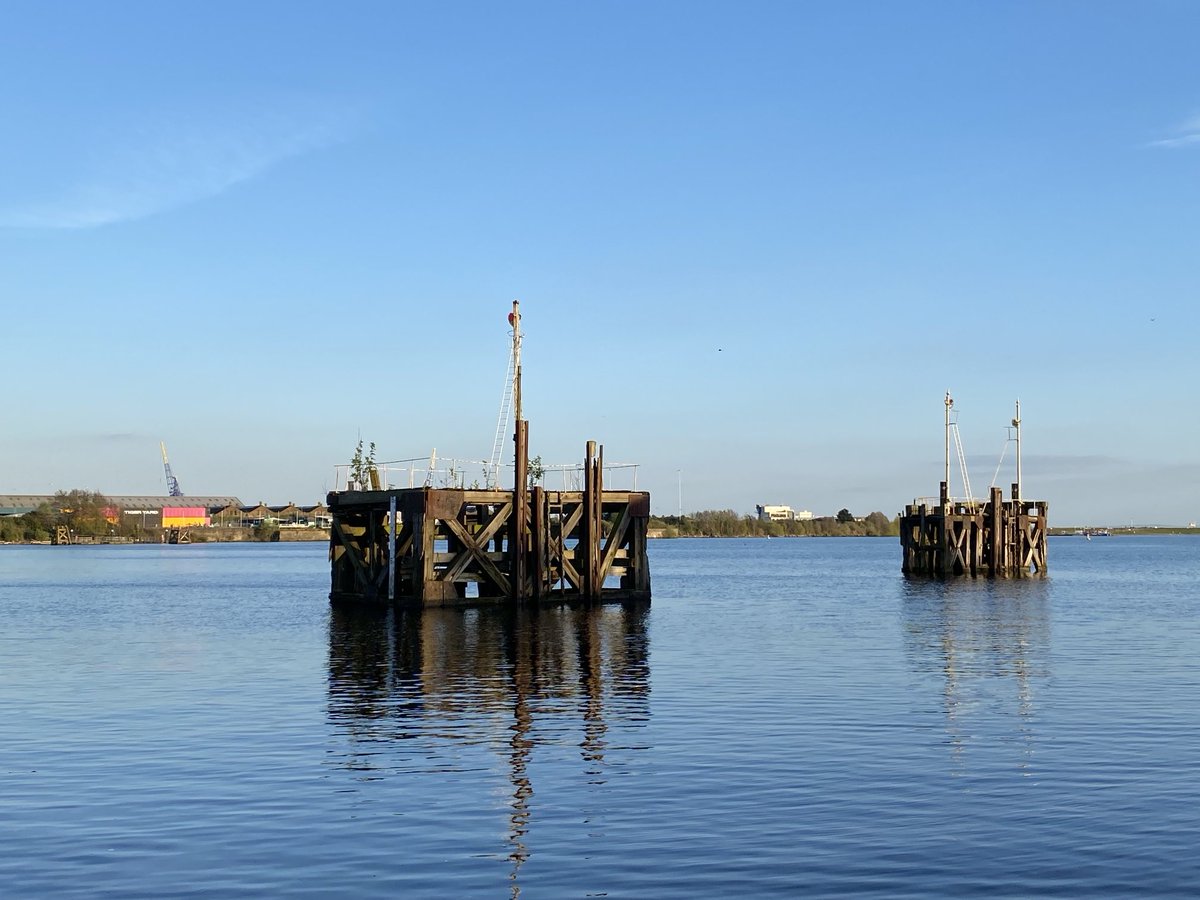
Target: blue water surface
(789, 717)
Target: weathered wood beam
(615, 538)
(362, 576)
(485, 564)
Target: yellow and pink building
(185, 516)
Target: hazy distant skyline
(754, 245)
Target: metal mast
(1017, 424)
(518, 535)
(173, 488)
(514, 319)
(949, 404)
(510, 396)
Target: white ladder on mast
(506, 404)
(962, 464)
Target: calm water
(789, 717)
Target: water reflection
(509, 681)
(978, 637)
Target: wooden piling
(514, 546)
(998, 538)
(519, 529)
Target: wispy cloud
(118, 437)
(179, 160)
(1186, 135)
(1073, 466)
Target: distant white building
(782, 514)
(776, 513)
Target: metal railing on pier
(474, 474)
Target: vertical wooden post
(637, 572)
(996, 527)
(1019, 534)
(923, 565)
(371, 552)
(942, 565)
(591, 526)
(1022, 544)
(539, 534)
(1042, 527)
(977, 561)
(909, 565)
(585, 545)
(598, 530)
(392, 547)
(425, 533)
(945, 557)
(411, 507)
(518, 534)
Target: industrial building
(176, 511)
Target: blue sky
(754, 244)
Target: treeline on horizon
(727, 523)
(85, 513)
(90, 513)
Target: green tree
(10, 530)
(363, 470)
(266, 531)
(37, 524)
(536, 471)
(85, 512)
(878, 524)
(844, 515)
(33, 526)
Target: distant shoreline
(651, 535)
(314, 535)
(1148, 531)
(1139, 530)
(215, 535)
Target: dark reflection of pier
(989, 644)
(489, 676)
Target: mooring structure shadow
(487, 676)
(981, 639)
